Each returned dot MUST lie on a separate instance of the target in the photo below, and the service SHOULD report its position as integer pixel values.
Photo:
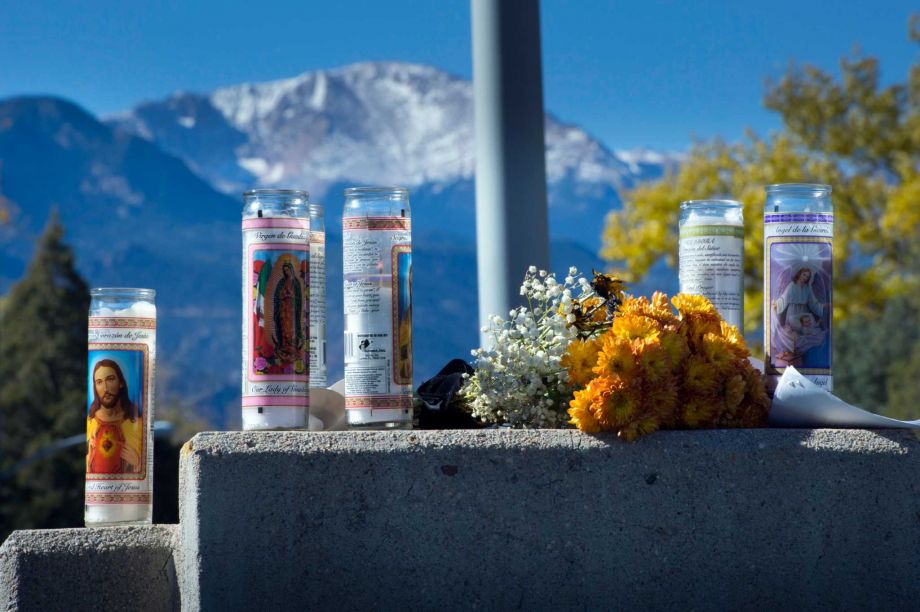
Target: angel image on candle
(800, 304)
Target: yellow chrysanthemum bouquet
(656, 369)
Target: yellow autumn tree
(861, 138)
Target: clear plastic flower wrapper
(120, 407)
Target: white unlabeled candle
(711, 255)
(120, 410)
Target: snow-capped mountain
(151, 197)
(368, 123)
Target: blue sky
(635, 73)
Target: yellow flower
(615, 357)
(580, 359)
(653, 361)
(699, 376)
(662, 400)
(298, 366)
(698, 411)
(718, 351)
(631, 327)
(653, 370)
(661, 309)
(688, 304)
(581, 411)
(735, 340)
(622, 405)
(676, 347)
(734, 391)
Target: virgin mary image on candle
(800, 305)
(115, 423)
(281, 344)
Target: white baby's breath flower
(520, 382)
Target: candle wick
(260, 213)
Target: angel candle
(119, 414)
(711, 255)
(276, 309)
(798, 274)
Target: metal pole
(512, 230)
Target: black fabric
(437, 394)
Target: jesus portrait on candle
(114, 427)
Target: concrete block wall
(527, 519)
(112, 568)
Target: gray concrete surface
(820, 519)
(106, 569)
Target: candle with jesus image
(276, 309)
(798, 281)
(119, 413)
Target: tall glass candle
(276, 309)
(712, 255)
(318, 376)
(377, 280)
(798, 281)
(120, 406)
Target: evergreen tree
(877, 359)
(43, 389)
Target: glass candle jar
(798, 281)
(377, 287)
(276, 309)
(120, 407)
(318, 377)
(712, 255)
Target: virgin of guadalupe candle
(120, 406)
(377, 280)
(276, 309)
(798, 281)
(711, 254)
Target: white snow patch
(256, 165)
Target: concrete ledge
(114, 568)
(551, 520)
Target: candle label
(798, 274)
(377, 276)
(318, 309)
(276, 338)
(712, 265)
(119, 410)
